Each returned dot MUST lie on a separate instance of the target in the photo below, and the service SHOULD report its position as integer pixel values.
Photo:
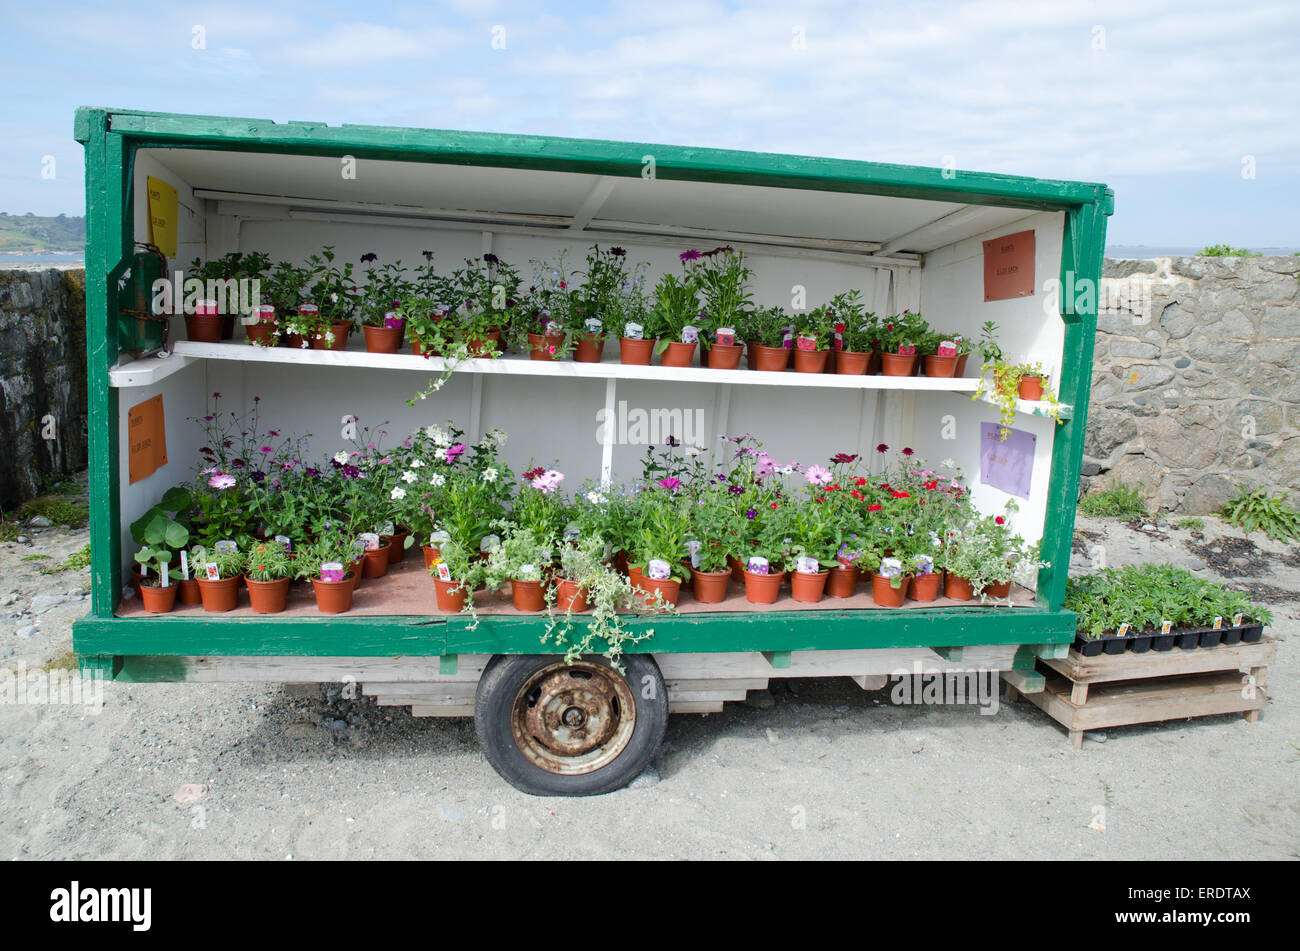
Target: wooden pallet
(1089, 693)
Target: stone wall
(1196, 380)
(42, 379)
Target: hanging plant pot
(204, 328)
(893, 364)
(1030, 388)
(158, 600)
(450, 601)
(527, 595)
(570, 596)
(544, 346)
(677, 354)
(340, 331)
(334, 597)
(1000, 590)
(384, 339)
(633, 352)
(710, 587)
(810, 361)
(669, 588)
(376, 561)
(851, 363)
(841, 581)
(768, 359)
(808, 587)
(267, 597)
(187, 592)
(886, 595)
(219, 596)
(478, 347)
(397, 543)
(590, 348)
(924, 587)
(430, 553)
(763, 589)
(724, 357)
(940, 366)
(958, 589)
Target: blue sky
(1167, 103)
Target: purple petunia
(751, 514)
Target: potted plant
(157, 592)
(207, 323)
(219, 570)
(284, 288)
(268, 569)
(898, 341)
(940, 353)
(660, 542)
(842, 578)
(855, 334)
(813, 537)
(812, 336)
(326, 563)
(1029, 381)
(711, 527)
(722, 280)
(769, 340)
(455, 577)
(380, 305)
(888, 579)
(524, 562)
(334, 292)
(261, 327)
(677, 305)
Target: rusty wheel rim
(575, 718)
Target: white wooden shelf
(1032, 407)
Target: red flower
(999, 520)
(882, 448)
(840, 328)
(901, 495)
(907, 451)
(873, 508)
(860, 480)
(857, 495)
(932, 484)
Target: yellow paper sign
(162, 216)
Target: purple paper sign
(1007, 464)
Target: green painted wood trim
(370, 636)
(779, 660)
(447, 665)
(601, 157)
(1051, 651)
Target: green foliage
(57, 234)
(60, 510)
(1144, 596)
(1226, 251)
(268, 561)
(1117, 500)
(1270, 514)
(79, 560)
(608, 593)
(1192, 524)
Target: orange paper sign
(1009, 266)
(146, 436)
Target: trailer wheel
(581, 729)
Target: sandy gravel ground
(829, 771)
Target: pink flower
(817, 475)
(454, 452)
(267, 450)
(548, 481)
(222, 480)
(670, 483)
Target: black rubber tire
(494, 702)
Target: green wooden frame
(112, 138)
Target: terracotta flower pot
(842, 581)
(340, 342)
(478, 347)
(724, 357)
(924, 587)
(620, 562)
(376, 561)
(678, 354)
(262, 333)
(384, 339)
(886, 595)
(940, 366)
(959, 589)
(810, 361)
(669, 588)
(763, 589)
(851, 363)
(570, 596)
(295, 341)
(527, 595)
(204, 328)
(355, 569)
(710, 586)
(396, 546)
(544, 346)
(333, 597)
(961, 365)
(1030, 387)
(1000, 590)
(808, 587)
(219, 596)
(737, 569)
(188, 592)
(590, 349)
(635, 352)
(891, 364)
(635, 574)
(769, 359)
(430, 553)
(420, 350)
(449, 601)
(267, 597)
(158, 600)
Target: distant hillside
(27, 233)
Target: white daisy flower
(409, 477)
(437, 479)
(595, 498)
(489, 475)
(341, 456)
(397, 494)
(417, 464)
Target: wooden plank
(300, 669)
(1129, 666)
(465, 710)
(1024, 681)
(692, 696)
(717, 683)
(1146, 700)
(1049, 650)
(871, 681)
(696, 706)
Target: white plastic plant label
(444, 573)
(164, 577)
(690, 333)
(185, 566)
(226, 545)
(889, 567)
(284, 540)
(658, 569)
(634, 332)
(838, 341)
(807, 566)
(490, 543)
(726, 336)
(787, 338)
(693, 547)
(1218, 621)
(758, 565)
(214, 573)
(144, 570)
(552, 327)
(438, 538)
(369, 540)
(594, 326)
(387, 528)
